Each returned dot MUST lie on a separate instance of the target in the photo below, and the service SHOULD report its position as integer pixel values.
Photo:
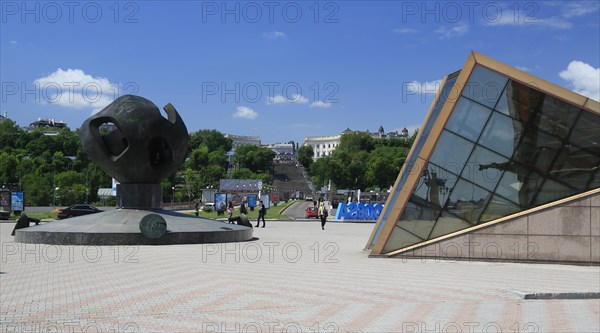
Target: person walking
(323, 213)
(243, 207)
(230, 212)
(261, 213)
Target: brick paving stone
(293, 278)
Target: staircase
(291, 177)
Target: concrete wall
(567, 233)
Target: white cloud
(13, 42)
(523, 19)
(245, 112)
(405, 31)
(454, 31)
(427, 87)
(583, 78)
(523, 68)
(320, 104)
(274, 34)
(578, 8)
(562, 21)
(279, 99)
(73, 88)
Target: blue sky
(280, 70)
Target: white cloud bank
(583, 78)
(280, 99)
(73, 88)
(454, 31)
(274, 34)
(245, 113)
(320, 104)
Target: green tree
(305, 156)
(212, 139)
(257, 159)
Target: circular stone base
(122, 227)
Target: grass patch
(272, 213)
(42, 215)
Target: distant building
(238, 140)
(3, 117)
(322, 145)
(283, 151)
(325, 145)
(48, 126)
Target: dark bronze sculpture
(133, 143)
(139, 150)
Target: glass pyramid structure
(496, 142)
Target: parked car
(309, 198)
(208, 207)
(312, 212)
(76, 210)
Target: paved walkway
(294, 278)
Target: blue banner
(358, 211)
(17, 201)
(251, 200)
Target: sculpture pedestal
(122, 227)
(139, 196)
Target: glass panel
(400, 238)
(501, 134)
(448, 223)
(586, 133)
(556, 117)
(451, 151)
(519, 101)
(446, 92)
(434, 185)
(467, 201)
(575, 167)
(468, 119)
(552, 191)
(484, 86)
(485, 168)
(537, 150)
(519, 185)
(497, 208)
(419, 217)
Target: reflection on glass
(556, 117)
(586, 133)
(519, 185)
(537, 150)
(448, 223)
(575, 167)
(497, 208)
(485, 168)
(411, 166)
(484, 86)
(451, 152)
(434, 185)
(468, 118)
(519, 101)
(501, 134)
(552, 191)
(400, 238)
(467, 201)
(419, 217)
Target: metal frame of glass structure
(497, 142)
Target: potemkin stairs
(506, 166)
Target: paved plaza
(293, 278)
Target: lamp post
(172, 196)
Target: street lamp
(172, 196)
(54, 197)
